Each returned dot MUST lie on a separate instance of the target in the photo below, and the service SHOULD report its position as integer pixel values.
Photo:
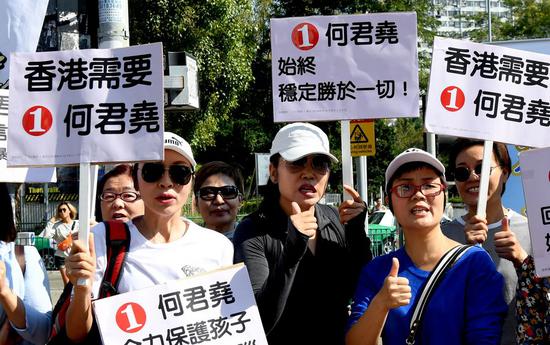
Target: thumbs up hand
(396, 291)
(507, 245)
(305, 221)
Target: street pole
(114, 29)
(489, 20)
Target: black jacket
(302, 298)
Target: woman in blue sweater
(466, 308)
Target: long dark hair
(8, 232)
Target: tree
(220, 34)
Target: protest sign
(489, 92)
(20, 25)
(212, 308)
(17, 175)
(94, 105)
(344, 67)
(535, 174)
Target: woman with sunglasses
(62, 232)
(118, 198)
(303, 262)
(218, 197)
(25, 306)
(163, 245)
(503, 233)
(467, 307)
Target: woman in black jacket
(303, 257)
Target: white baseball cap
(297, 140)
(413, 155)
(176, 143)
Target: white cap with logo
(413, 155)
(297, 140)
(176, 143)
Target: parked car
(45, 246)
(382, 232)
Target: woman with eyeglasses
(218, 196)
(25, 306)
(467, 307)
(302, 260)
(62, 232)
(118, 198)
(163, 245)
(503, 233)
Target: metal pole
(347, 162)
(362, 177)
(489, 20)
(113, 30)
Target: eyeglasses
(407, 190)
(124, 196)
(226, 192)
(463, 173)
(179, 174)
(319, 163)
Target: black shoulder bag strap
(435, 277)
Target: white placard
(535, 175)
(17, 175)
(92, 105)
(344, 67)
(262, 168)
(489, 92)
(20, 25)
(211, 308)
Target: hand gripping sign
(213, 308)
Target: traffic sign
(362, 138)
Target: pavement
(56, 285)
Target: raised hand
(80, 263)
(350, 209)
(507, 245)
(396, 291)
(476, 230)
(305, 221)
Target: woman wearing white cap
(163, 246)
(303, 263)
(466, 307)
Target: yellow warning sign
(362, 138)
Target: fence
(35, 215)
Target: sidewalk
(56, 285)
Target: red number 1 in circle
(37, 120)
(452, 98)
(305, 36)
(130, 317)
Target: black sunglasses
(179, 174)
(319, 163)
(463, 173)
(210, 193)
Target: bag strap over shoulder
(435, 277)
(117, 236)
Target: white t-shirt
(148, 264)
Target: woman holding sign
(503, 233)
(465, 307)
(163, 245)
(303, 262)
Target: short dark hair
(408, 167)
(500, 151)
(120, 169)
(218, 167)
(8, 232)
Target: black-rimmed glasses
(226, 192)
(124, 196)
(179, 173)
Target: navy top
(466, 308)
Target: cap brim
(295, 153)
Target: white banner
(93, 105)
(489, 92)
(17, 175)
(20, 25)
(535, 174)
(344, 67)
(211, 308)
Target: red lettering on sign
(130, 317)
(452, 98)
(305, 36)
(37, 120)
